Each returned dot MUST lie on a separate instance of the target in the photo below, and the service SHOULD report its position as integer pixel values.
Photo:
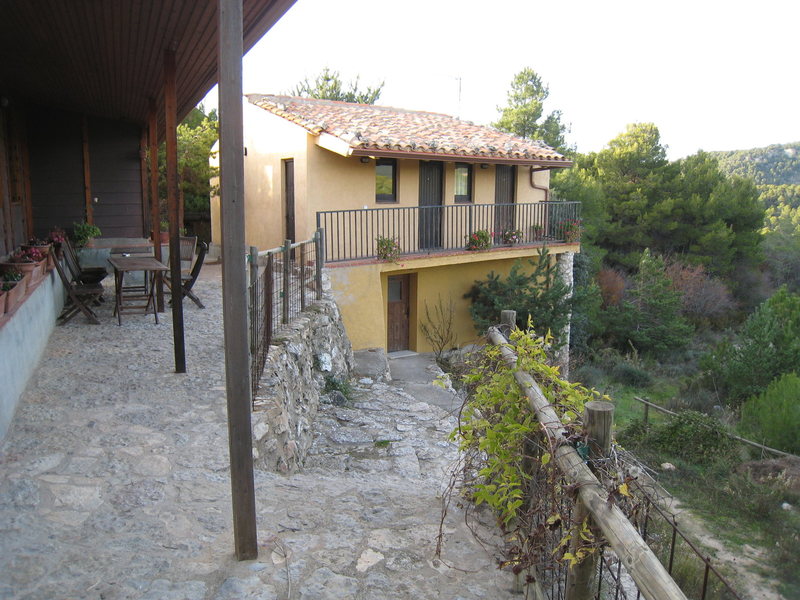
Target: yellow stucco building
(420, 185)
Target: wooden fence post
(597, 421)
(508, 321)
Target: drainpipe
(546, 190)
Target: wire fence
(558, 510)
(284, 281)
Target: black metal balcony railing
(354, 234)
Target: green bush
(588, 376)
(693, 437)
(767, 346)
(539, 294)
(628, 374)
(773, 418)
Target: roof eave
(470, 158)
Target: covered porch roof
(105, 58)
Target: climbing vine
(506, 460)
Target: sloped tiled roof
(385, 130)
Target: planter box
(46, 251)
(31, 269)
(16, 294)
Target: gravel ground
(114, 482)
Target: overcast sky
(712, 75)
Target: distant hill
(775, 169)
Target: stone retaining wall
(313, 347)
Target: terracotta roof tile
(368, 127)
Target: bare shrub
(612, 286)
(704, 299)
(438, 326)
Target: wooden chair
(79, 297)
(189, 277)
(87, 275)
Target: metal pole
(287, 253)
(234, 287)
(320, 258)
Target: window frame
(386, 198)
(468, 197)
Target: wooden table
(135, 297)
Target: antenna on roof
(458, 114)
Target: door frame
(405, 339)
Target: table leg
(118, 277)
(151, 299)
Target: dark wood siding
(56, 169)
(116, 178)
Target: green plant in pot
(479, 240)
(83, 232)
(13, 283)
(387, 248)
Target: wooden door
(430, 204)
(288, 178)
(398, 321)
(505, 184)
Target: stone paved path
(114, 483)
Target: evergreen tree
(524, 114)
(539, 294)
(767, 346)
(649, 316)
(328, 85)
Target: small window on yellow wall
(463, 183)
(386, 180)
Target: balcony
(425, 230)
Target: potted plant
(479, 240)
(570, 230)
(14, 284)
(30, 260)
(512, 236)
(83, 232)
(537, 232)
(387, 248)
(57, 236)
(43, 246)
(164, 232)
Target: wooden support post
(646, 413)
(155, 209)
(287, 263)
(171, 120)
(318, 263)
(87, 172)
(234, 290)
